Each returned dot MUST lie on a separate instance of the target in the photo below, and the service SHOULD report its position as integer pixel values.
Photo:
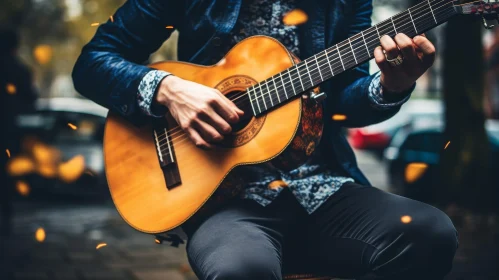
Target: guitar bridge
(166, 154)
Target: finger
(198, 141)
(407, 48)
(390, 47)
(218, 123)
(428, 50)
(225, 109)
(381, 61)
(207, 132)
(231, 104)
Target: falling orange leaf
(169, 27)
(447, 145)
(339, 117)
(295, 17)
(43, 53)
(414, 171)
(40, 235)
(95, 24)
(22, 188)
(111, 18)
(406, 219)
(72, 126)
(71, 170)
(100, 245)
(157, 241)
(11, 89)
(8, 152)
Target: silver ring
(396, 61)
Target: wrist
(165, 90)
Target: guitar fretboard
(346, 55)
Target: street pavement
(73, 230)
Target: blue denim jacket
(112, 65)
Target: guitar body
(136, 178)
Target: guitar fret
(415, 29)
(377, 31)
(329, 62)
(310, 76)
(251, 101)
(394, 28)
(263, 95)
(277, 92)
(291, 82)
(339, 54)
(270, 95)
(431, 9)
(367, 48)
(318, 67)
(353, 52)
(299, 77)
(283, 85)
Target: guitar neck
(346, 55)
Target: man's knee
(434, 239)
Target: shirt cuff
(379, 100)
(147, 90)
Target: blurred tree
(464, 163)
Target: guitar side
(135, 178)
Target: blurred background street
(58, 220)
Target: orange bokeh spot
(339, 117)
(20, 165)
(95, 24)
(11, 89)
(43, 54)
(22, 188)
(8, 152)
(100, 245)
(72, 126)
(40, 235)
(295, 17)
(157, 241)
(71, 170)
(169, 27)
(406, 219)
(111, 18)
(447, 145)
(414, 171)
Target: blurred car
(414, 155)
(376, 138)
(61, 150)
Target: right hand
(202, 112)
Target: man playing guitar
(324, 209)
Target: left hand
(417, 55)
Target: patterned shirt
(313, 182)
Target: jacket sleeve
(112, 65)
(357, 94)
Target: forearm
(110, 68)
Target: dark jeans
(358, 233)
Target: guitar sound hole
(242, 102)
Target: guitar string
(384, 24)
(318, 67)
(177, 143)
(174, 134)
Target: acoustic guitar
(159, 179)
